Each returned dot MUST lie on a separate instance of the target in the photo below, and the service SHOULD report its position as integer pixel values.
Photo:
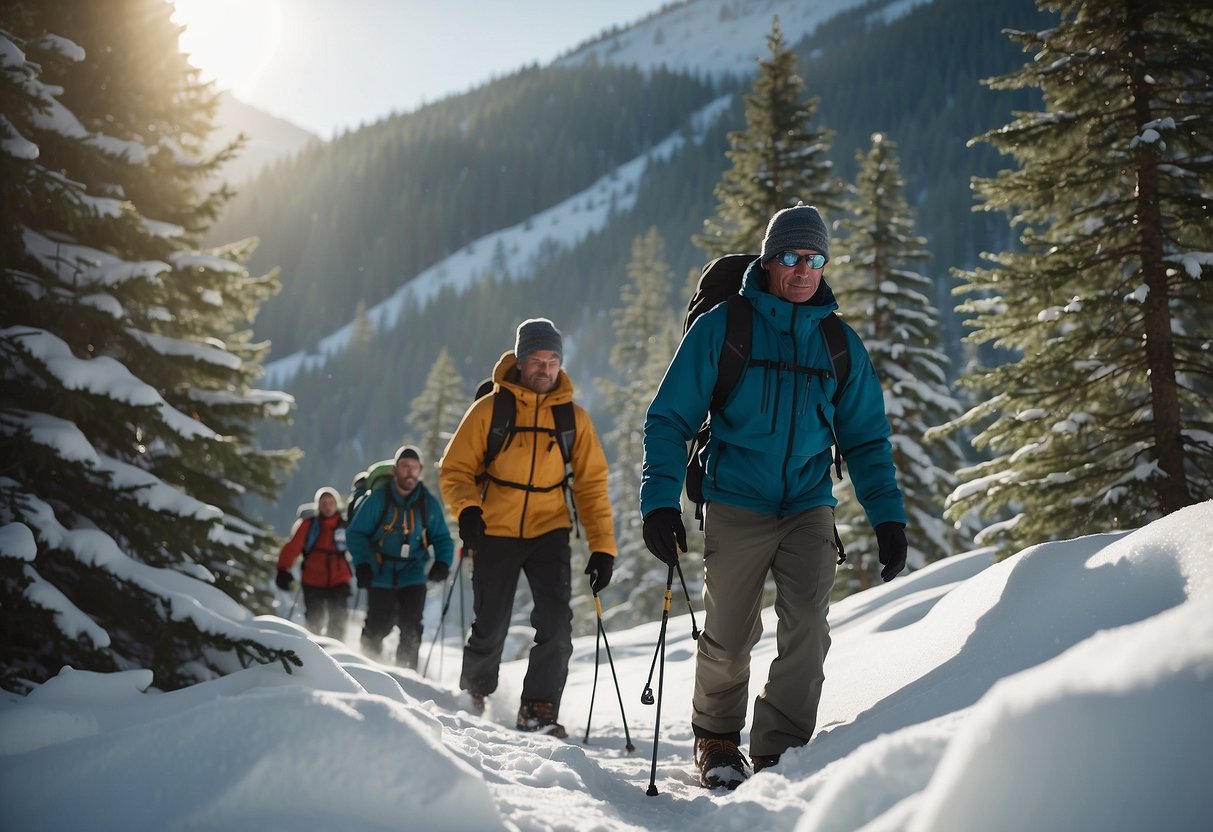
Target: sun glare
(231, 41)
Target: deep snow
(1067, 687)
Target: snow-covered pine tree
(646, 334)
(126, 410)
(436, 412)
(886, 300)
(1103, 417)
(777, 160)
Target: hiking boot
(720, 763)
(539, 717)
(761, 761)
(476, 703)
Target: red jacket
(324, 566)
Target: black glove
(363, 575)
(471, 527)
(284, 579)
(662, 529)
(891, 538)
(439, 572)
(599, 569)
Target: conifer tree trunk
(1159, 346)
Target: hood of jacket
(506, 375)
(782, 314)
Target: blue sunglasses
(791, 259)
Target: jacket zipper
(783, 471)
(526, 495)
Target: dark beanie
(799, 227)
(536, 334)
(408, 451)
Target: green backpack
(365, 482)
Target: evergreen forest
(1018, 196)
(345, 223)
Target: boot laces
(706, 747)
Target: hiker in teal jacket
(389, 540)
(768, 506)
(770, 450)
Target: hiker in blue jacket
(389, 540)
(768, 506)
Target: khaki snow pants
(741, 548)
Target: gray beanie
(536, 334)
(407, 451)
(798, 227)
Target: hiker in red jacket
(320, 538)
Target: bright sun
(231, 41)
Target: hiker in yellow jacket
(515, 515)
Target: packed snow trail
(950, 694)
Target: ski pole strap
(842, 552)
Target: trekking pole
(298, 590)
(602, 637)
(445, 606)
(647, 696)
(686, 592)
(440, 638)
(463, 626)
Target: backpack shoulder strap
(500, 425)
(735, 351)
(565, 420)
(388, 501)
(423, 509)
(840, 354)
(840, 359)
(311, 536)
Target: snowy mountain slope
(696, 36)
(1064, 688)
(719, 37)
(513, 250)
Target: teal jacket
(770, 450)
(378, 542)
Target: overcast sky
(328, 65)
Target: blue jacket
(770, 446)
(378, 543)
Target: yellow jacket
(531, 458)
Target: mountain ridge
(269, 138)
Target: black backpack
(719, 283)
(502, 430)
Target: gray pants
(741, 548)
